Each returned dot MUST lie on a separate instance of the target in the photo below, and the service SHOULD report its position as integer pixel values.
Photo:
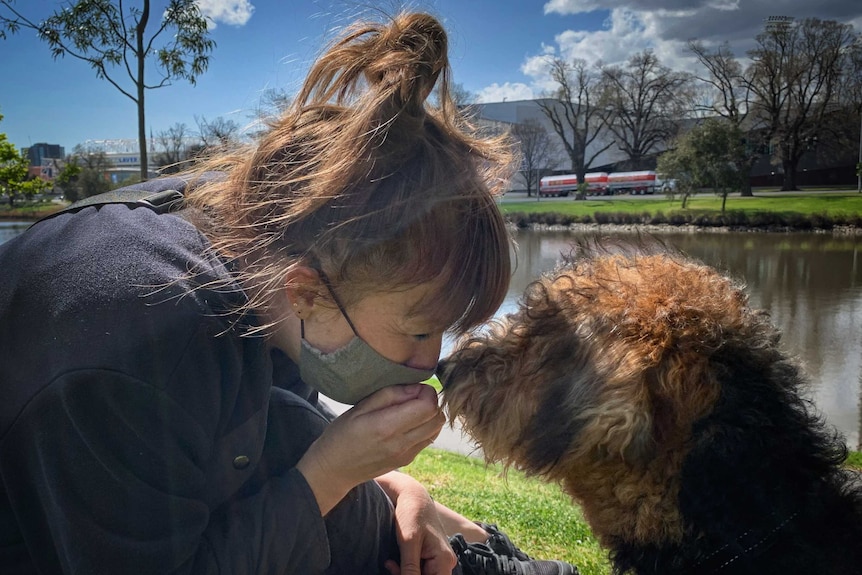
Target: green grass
(826, 203)
(538, 517)
(29, 210)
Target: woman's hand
(382, 432)
(422, 541)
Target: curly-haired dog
(646, 386)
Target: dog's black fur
(763, 490)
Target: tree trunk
(745, 174)
(142, 125)
(789, 181)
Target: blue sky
(497, 52)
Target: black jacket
(131, 412)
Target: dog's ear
(601, 423)
(623, 430)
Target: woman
(160, 372)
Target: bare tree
(538, 151)
(114, 40)
(461, 96)
(728, 95)
(645, 102)
(848, 127)
(174, 144)
(794, 75)
(574, 113)
(217, 133)
(272, 104)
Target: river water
(811, 284)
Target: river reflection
(9, 230)
(811, 284)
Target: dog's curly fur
(644, 384)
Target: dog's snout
(443, 371)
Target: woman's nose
(428, 352)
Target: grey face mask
(355, 371)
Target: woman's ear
(302, 285)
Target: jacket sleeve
(108, 473)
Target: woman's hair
(363, 179)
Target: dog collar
(728, 553)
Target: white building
(123, 156)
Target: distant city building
(37, 153)
(123, 155)
(51, 168)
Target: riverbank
(827, 212)
(838, 230)
(29, 212)
(820, 212)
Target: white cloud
(573, 6)
(509, 91)
(724, 4)
(231, 12)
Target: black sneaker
(479, 559)
(500, 543)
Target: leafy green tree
(706, 157)
(15, 180)
(84, 174)
(134, 46)
(67, 179)
(676, 164)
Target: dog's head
(597, 379)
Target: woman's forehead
(412, 304)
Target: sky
(498, 51)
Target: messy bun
(400, 62)
(365, 179)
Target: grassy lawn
(822, 203)
(28, 210)
(830, 203)
(538, 517)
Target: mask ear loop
(328, 284)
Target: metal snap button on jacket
(241, 462)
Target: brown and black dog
(643, 383)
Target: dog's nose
(442, 371)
